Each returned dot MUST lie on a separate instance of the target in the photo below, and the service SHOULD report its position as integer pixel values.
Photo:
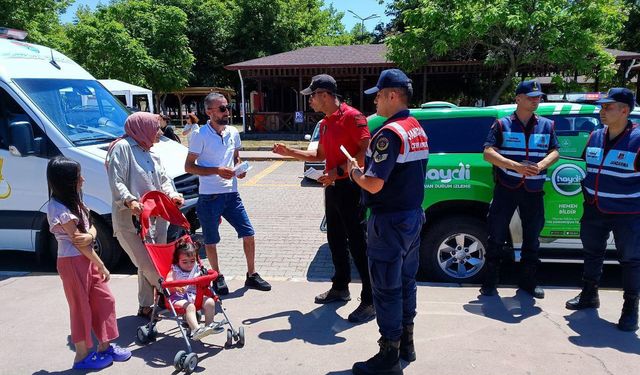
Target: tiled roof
(352, 55)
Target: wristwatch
(340, 171)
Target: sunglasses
(222, 108)
(313, 94)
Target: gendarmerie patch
(378, 157)
(382, 144)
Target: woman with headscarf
(133, 170)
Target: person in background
(191, 127)
(92, 307)
(167, 130)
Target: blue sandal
(93, 361)
(118, 354)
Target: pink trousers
(91, 304)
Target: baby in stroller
(185, 266)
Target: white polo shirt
(215, 150)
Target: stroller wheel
(178, 360)
(190, 363)
(143, 334)
(241, 336)
(153, 333)
(229, 338)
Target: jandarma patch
(382, 144)
(378, 157)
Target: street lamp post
(370, 17)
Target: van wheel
(106, 246)
(453, 250)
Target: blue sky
(363, 8)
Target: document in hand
(313, 174)
(241, 168)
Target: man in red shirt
(342, 126)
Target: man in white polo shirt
(213, 153)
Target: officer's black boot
(528, 281)
(407, 349)
(588, 298)
(629, 318)
(491, 277)
(386, 362)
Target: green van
(459, 187)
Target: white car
(313, 145)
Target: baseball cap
(529, 88)
(321, 82)
(390, 78)
(620, 95)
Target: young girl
(84, 276)
(185, 266)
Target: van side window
(457, 135)
(568, 124)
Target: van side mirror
(21, 140)
(307, 137)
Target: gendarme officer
(521, 147)
(612, 204)
(393, 188)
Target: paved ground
(456, 333)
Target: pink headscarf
(142, 127)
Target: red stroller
(157, 204)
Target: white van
(50, 106)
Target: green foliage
(512, 35)
(138, 41)
(38, 17)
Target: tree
(138, 41)
(515, 36)
(38, 17)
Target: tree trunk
(505, 83)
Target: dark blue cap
(390, 78)
(529, 88)
(620, 95)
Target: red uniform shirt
(347, 126)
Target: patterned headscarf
(142, 127)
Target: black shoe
(363, 313)
(333, 295)
(588, 297)
(534, 290)
(387, 361)
(629, 318)
(220, 286)
(256, 282)
(488, 290)
(407, 348)
(491, 278)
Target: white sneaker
(216, 327)
(201, 332)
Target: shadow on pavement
(511, 310)
(319, 326)
(321, 267)
(595, 332)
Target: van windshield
(83, 110)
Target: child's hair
(62, 180)
(186, 248)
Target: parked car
(459, 187)
(313, 139)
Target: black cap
(529, 88)
(390, 78)
(321, 82)
(620, 95)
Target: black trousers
(345, 234)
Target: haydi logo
(566, 179)
(447, 175)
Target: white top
(133, 171)
(215, 150)
(192, 129)
(57, 213)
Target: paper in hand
(241, 168)
(346, 153)
(313, 174)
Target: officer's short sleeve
(360, 130)
(494, 138)
(386, 148)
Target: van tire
(106, 245)
(441, 265)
